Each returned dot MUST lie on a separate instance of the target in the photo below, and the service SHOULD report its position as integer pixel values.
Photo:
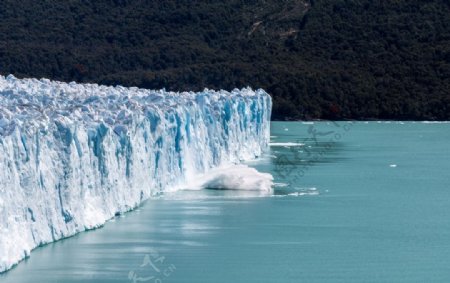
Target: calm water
(362, 202)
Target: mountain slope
(319, 59)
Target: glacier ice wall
(74, 155)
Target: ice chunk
(232, 177)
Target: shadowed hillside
(329, 59)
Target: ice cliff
(74, 155)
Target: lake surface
(358, 202)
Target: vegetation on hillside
(319, 59)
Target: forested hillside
(319, 59)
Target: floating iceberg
(74, 155)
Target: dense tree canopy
(319, 59)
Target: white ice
(232, 177)
(74, 155)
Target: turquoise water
(359, 202)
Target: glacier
(72, 156)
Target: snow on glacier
(74, 155)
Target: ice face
(74, 155)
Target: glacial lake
(353, 202)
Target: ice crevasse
(74, 155)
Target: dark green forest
(319, 59)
